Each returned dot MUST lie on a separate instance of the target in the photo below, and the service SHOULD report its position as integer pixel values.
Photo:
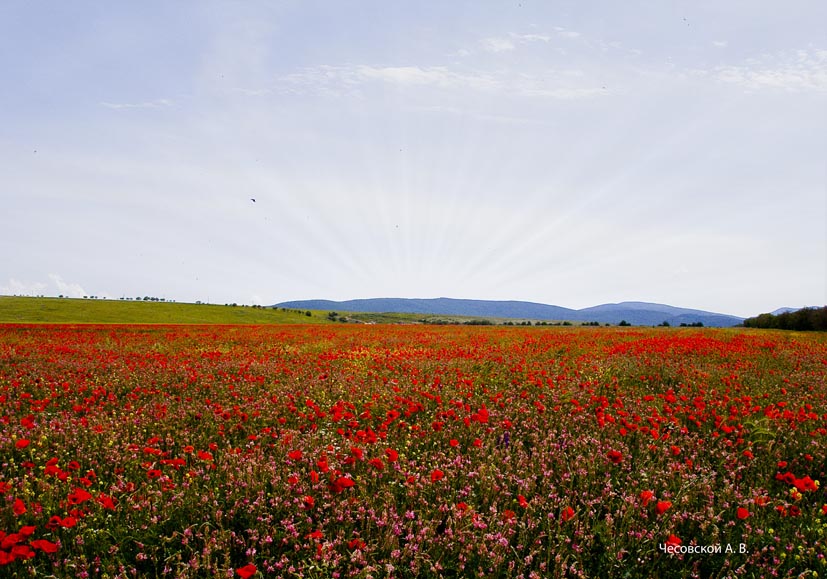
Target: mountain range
(635, 313)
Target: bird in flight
(253, 200)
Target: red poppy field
(411, 451)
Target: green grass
(81, 311)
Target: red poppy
(247, 571)
(662, 507)
(646, 497)
(742, 513)
(567, 514)
(22, 443)
(392, 455)
(522, 500)
(44, 545)
(27, 531)
(615, 456)
(436, 475)
(673, 541)
(68, 522)
(354, 544)
(294, 455)
(106, 502)
(805, 484)
(19, 507)
(454, 442)
(308, 502)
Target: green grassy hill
(87, 311)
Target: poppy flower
(742, 513)
(308, 502)
(522, 500)
(68, 522)
(294, 455)
(19, 507)
(567, 514)
(27, 531)
(673, 541)
(646, 497)
(436, 475)
(22, 443)
(106, 502)
(662, 507)
(805, 484)
(615, 456)
(354, 544)
(392, 455)
(44, 545)
(247, 571)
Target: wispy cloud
(72, 290)
(15, 287)
(36, 288)
(566, 33)
(497, 44)
(799, 71)
(339, 80)
(156, 104)
(513, 40)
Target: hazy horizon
(572, 154)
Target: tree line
(803, 320)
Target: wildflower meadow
(411, 451)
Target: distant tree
(308, 313)
(624, 323)
(803, 320)
(665, 324)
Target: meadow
(20, 309)
(411, 451)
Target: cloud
(799, 71)
(340, 80)
(72, 290)
(252, 92)
(18, 288)
(37, 288)
(566, 33)
(156, 104)
(497, 44)
(720, 43)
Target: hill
(635, 313)
(88, 311)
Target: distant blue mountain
(635, 313)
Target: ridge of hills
(635, 313)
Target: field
(85, 311)
(411, 451)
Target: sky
(564, 152)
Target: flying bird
(253, 200)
